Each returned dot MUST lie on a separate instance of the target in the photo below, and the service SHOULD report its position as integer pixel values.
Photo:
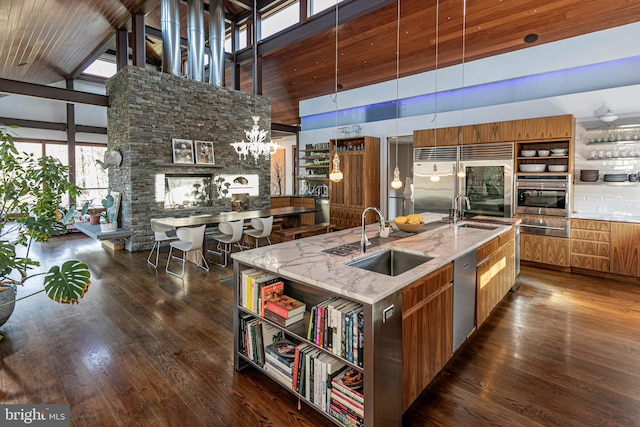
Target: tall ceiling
(46, 41)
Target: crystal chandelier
(256, 146)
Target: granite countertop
(304, 260)
(606, 217)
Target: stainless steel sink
(391, 262)
(475, 225)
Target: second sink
(476, 225)
(391, 262)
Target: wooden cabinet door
(545, 249)
(495, 275)
(427, 331)
(625, 248)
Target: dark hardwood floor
(143, 348)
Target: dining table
(289, 214)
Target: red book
(270, 292)
(286, 306)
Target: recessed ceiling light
(531, 38)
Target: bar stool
(231, 233)
(190, 239)
(261, 229)
(160, 236)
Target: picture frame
(182, 151)
(205, 154)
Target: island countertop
(304, 260)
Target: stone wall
(147, 109)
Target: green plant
(107, 203)
(31, 192)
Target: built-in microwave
(543, 194)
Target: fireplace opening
(184, 191)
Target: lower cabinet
(495, 274)
(590, 244)
(545, 249)
(625, 248)
(427, 331)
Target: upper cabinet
(538, 129)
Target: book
(269, 292)
(277, 375)
(286, 369)
(244, 280)
(286, 306)
(296, 374)
(270, 335)
(259, 283)
(350, 381)
(283, 350)
(281, 321)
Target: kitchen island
(405, 317)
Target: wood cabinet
(625, 248)
(590, 244)
(495, 274)
(545, 249)
(360, 187)
(537, 129)
(427, 331)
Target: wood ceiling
(46, 41)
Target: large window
(101, 68)
(316, 6)
(280, 19)
(91, 177)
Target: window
(91, 177)
(281, 19)
(316, 6)
(101, 68)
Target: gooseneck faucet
(364, 242)
(455, 207)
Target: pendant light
(336, 174)
(461, 170)
(396, 184)
(435, 177)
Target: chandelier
(256, 146)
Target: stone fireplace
(147, 110)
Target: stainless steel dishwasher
(464, 297)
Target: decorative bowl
(409, 228)
(557, 168)
(559, 151)
(528, 153)
(533, 167)
(543, 153)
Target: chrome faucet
(455, 207)
(364, 242)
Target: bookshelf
(380, 397)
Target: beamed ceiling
(46, 41)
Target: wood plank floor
(143, 348)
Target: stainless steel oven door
(556, 227)
(543, 196)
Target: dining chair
(260, 229)
(160, 236)
(231, 234)
(190, 239)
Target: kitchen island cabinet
(407, 318)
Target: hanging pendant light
(336, 174)
(396, 184)
(256, 145)
(461, 170)
(434, 176)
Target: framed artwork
(204, 153)
(182, 151)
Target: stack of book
(279, 359)
(257, 288)
(346, 401)
(313, 371)
(336, 324)
(284, 310)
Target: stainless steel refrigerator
(430, 195)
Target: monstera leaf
(67, 284)
(9, 261)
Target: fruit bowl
(409, 228)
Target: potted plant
(107, 225)
(31, 192)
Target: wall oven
(548, 195)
